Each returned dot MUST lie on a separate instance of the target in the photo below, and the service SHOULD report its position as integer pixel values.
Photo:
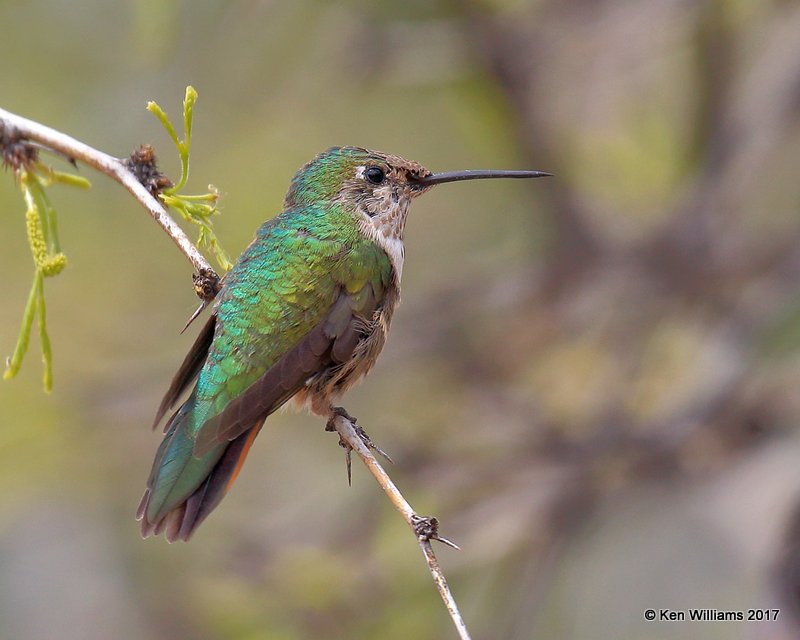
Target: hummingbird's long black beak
(477, 174)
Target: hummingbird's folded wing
(294, 305)
(189, 370)
(328, 344)
(295, 302)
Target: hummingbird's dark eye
(375, 175)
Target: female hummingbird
(302, 315)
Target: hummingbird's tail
(183, 490)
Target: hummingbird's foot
(337, 412)
(427, 528)
(371, 445)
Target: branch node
(426, 528)
(339, 412)
(206, 285)
(142, 163)
(16, 151)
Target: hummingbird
(302, 316)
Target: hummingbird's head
(377, 187)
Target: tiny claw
(371, 445)
(330, 425)
(347, 457)
(427, 528)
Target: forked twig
(425, 529)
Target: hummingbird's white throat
(382, 217)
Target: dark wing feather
(210, 493)
(189, 370)
(331, 342)
(345, 343)
(181, 521)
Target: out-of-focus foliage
(592, 380)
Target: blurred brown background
(592, 380)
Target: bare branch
(424, 528)
(113, 168)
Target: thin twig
(347, 431)
(113, 168)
